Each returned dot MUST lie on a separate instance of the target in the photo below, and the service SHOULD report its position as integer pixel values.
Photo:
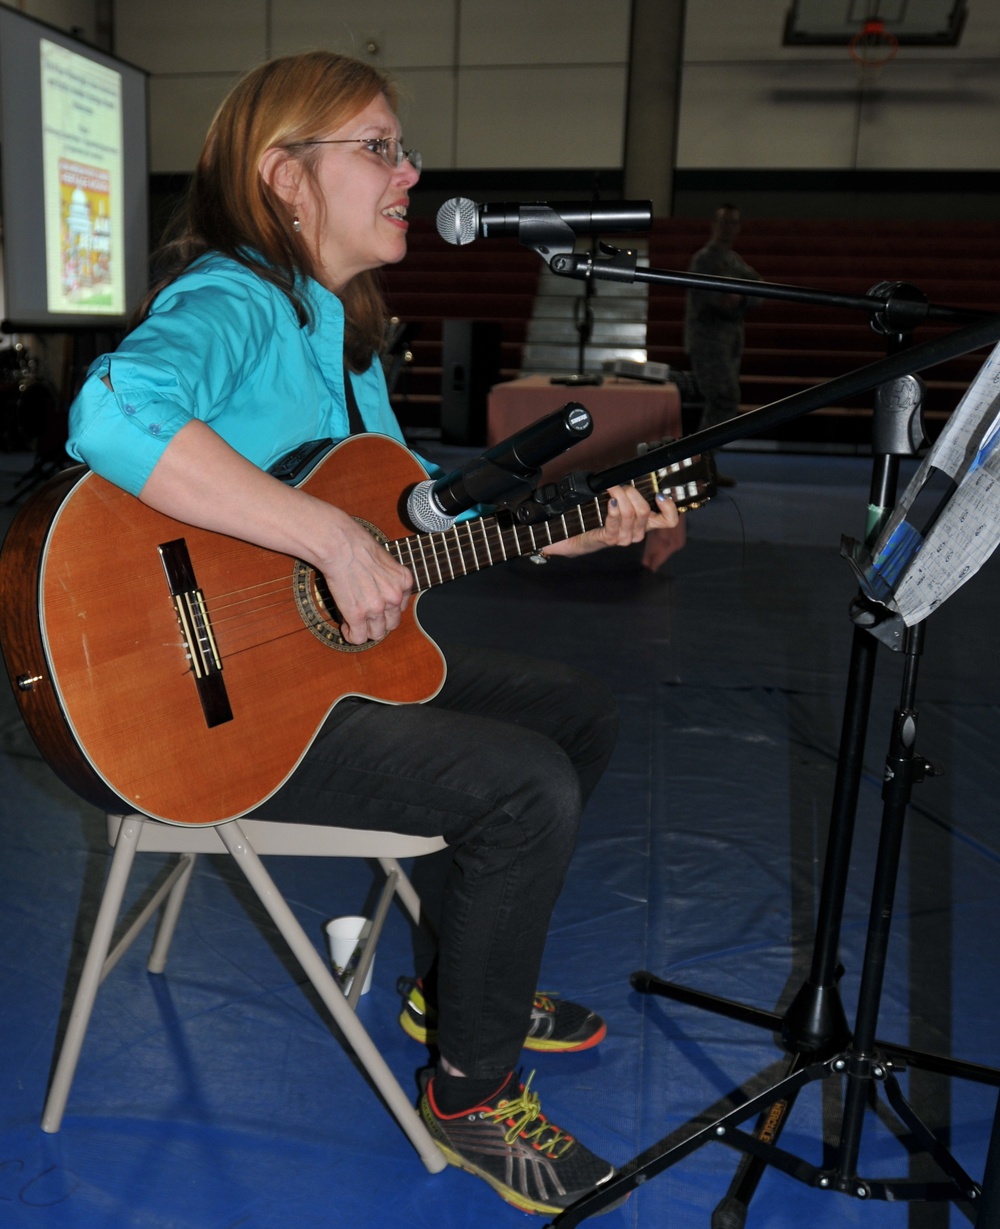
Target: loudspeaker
(470, 366)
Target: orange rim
(873, 36)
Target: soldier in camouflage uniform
(713, 324)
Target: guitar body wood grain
(116, 710)
(188, 683)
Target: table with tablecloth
(626, 413)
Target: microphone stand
(814, 1030)
(584, 312)
(583, 321)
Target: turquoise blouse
(222, 345)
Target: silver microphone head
(424, 512)
(456, 220)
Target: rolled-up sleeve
(121, 431)
(184, 361)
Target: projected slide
(82, 164)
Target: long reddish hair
(231, 209)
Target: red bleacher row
(788, 345)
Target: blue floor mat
(218, 1095)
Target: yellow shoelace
(520, 1112)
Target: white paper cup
(347, 937)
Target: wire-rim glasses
(389, 149)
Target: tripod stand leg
(731, 1211)
(647, 983)
(924, 1140)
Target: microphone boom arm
(906, 305)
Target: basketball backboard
(833, 23)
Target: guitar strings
(236, 611)
(449, 550)
(504, 537)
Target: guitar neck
(470, 546)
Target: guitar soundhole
(316, 605)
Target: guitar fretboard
(469, 546)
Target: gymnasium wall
(526, 94)
(803, 132)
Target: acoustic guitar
(184, 674)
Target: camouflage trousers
(715, 365)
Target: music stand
(910, 562)
(814, 1030)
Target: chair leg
(407, 894)
(328, 990)
(374, 934)
(92, 974)
(171, 911)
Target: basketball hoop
(873, 46)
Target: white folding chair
(245, 840)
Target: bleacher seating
(789, 346)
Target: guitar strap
(354, 419)
(294, 465)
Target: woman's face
(355, 217)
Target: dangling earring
(296, 224)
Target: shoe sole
(506, 1193)
(561, 1047)
(428, 1036)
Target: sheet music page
(947, 523)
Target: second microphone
(433, 505)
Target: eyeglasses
(388, 149)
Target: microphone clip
(614, 264)
(552, 499)
(504, 485)
(545, 232)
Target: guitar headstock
(689, 483)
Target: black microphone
(433, 505)
(461, 221)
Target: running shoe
(509, 1143)
(557, 1025)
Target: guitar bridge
(196, 630)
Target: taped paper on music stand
(947, 523)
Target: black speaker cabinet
(470, 366)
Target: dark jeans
(500, 763)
